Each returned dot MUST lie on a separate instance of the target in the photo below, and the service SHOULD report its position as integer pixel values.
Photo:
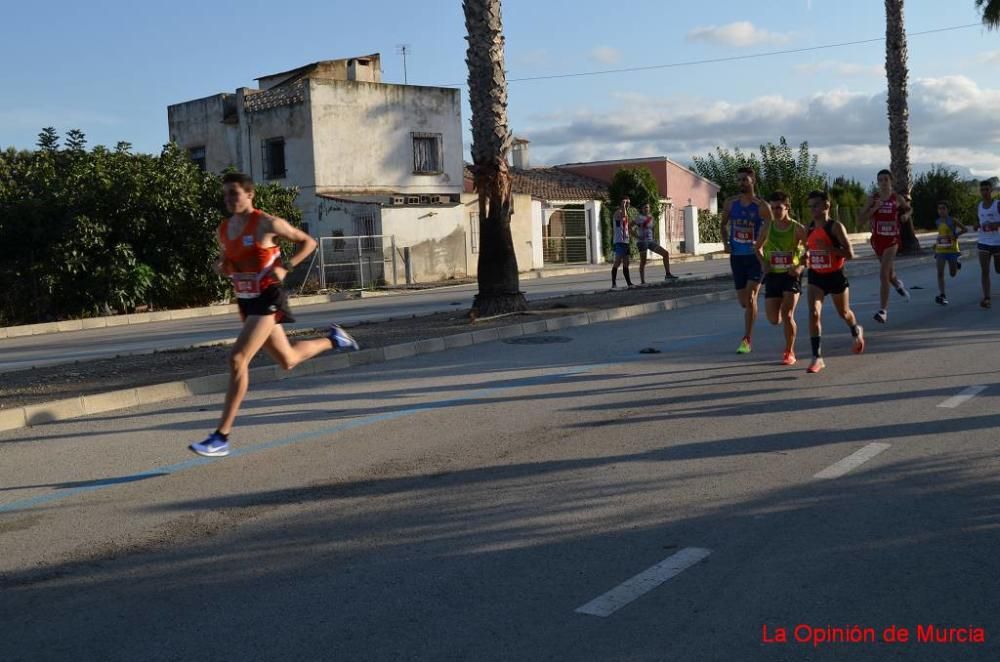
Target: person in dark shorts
(781, 251)
(251, 258)
(828, 249)
(622, 236)
(643, 228)
(743, 217)
(988, 246)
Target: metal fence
(364, 262)
(673, 220)
(565, 239)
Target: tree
(848, 197)
(941, 183)
(897, 72)
(722, 166)
(499, 289)
(98, 231)
(777, 168)
(639, 186)
(991, 13)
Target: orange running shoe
(816, 365)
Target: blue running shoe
(214, 446)
(342, 340)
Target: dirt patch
(25, 387)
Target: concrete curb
(228, 309)
(146, 318)
(85, 405)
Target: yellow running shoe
(744, 347)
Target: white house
(369, 158)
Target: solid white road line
(644, 582)
(962, 397)
(852, 461)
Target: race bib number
(247, 285)
(743, 235)
(819, 259)
(887, 229)
(944, 240)
(781, 260)
(988, 227)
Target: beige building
(337, 132)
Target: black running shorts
(272, 301)
(776, 284)
(831, 283)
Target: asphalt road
(573, 500)
(54, 349)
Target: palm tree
(899, 114)
(499, 290)
(991, 13)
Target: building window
(474, 231)
(274, 158)
(427, 156)
(197, 155)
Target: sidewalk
(560, 315)
(228, 309)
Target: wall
(525, 224)
(436, 236)
(605, 172)
(537, 246)
(673, 180)
(199, 123)
(288, 118)
(363, 140)
(684, 185)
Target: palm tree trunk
(897, 72)
(499, 289)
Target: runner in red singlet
(885, 211)
(252, 260)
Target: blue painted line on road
(105, 483)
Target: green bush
(709, 227)
(639, 186)
(102, 231)
(942, 183)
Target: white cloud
(952, 120)
(606, 55)
(845, 69)
(740, 34)
(530, 58)
(988, 57)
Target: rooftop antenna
(403, 49)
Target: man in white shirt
(988, 211)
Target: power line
(732, 58)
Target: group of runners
(767, 246)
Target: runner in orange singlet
(251, 259)
(829, 249)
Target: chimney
(366, 69)
(519, 154)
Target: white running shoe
(342, 340)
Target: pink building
(676, 183)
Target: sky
(111, 68)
